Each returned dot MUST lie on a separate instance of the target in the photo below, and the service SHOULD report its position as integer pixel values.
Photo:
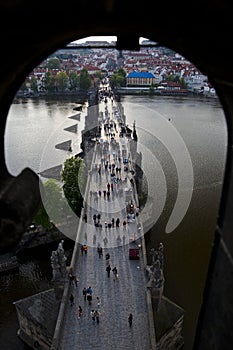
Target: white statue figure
(60, 246)
(155, 271)
(55, 265)
(58, 262)
(160, 254)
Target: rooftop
(136, 74)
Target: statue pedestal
(156, 296)
(168, 320)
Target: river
(183, 144)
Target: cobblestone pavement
(119, 297)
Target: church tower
(120, 60)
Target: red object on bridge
(133, 253)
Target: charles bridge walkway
(126, 294)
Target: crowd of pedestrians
(109, 185)
(108, 307)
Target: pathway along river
(34, 127)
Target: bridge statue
(155, 275)
(58, 263)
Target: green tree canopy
(33, 84)
(49, 82)
(84, 80)
(53, 63)
(118, 78)
(42, 218)
(99, 75)
(61, 80)
(122, 72)
(51, 207)
(73, 80)
(176, 79)
(73, 178)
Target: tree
(61, 80)
(51, 207)
(118, 78)
(24, 87)
(73, 80)
(53, 63)
(33, 84)
(177, 79)
(99, 75)
(73, 177)
(183, 83)
(42, 218)
(49, 82)
(84, 80)
(122, 72)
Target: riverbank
(35, 238)
(148, 91)
(79, 97)
(141, 91)
(39, 237)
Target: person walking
(85, 293)
(80, 312)
(71, 299)
(71, 277)
(117, 222)
(100, 251)
(98, 303)
(130, 319)
(89, 294)
(97, 316)
(82, 249)
(85, 217)
(85, 249)
(105, 240)
(75, 281)
(93, 316)
(108, 269)
(114, 270)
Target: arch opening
(212, 187)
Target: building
(136, 78)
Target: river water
(183, 143)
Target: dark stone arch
(29, 34)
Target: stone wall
(37, 317)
